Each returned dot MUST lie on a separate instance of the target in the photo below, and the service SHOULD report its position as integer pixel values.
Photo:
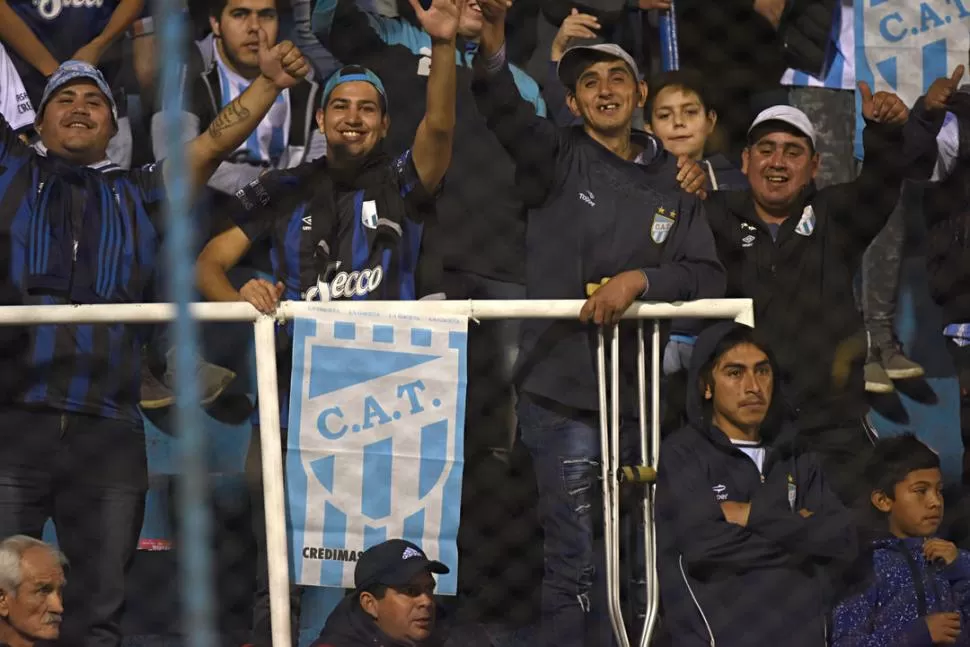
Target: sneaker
(900, 367)
(154, 394)
(213, 379)
(877, 381)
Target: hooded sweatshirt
(900, 589)
(761, 584)
(349, 626)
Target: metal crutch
(612, 472)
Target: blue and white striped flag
(375, 447)
(904, 45)
(839, 72)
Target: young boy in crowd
(917, 586)
(680, 114)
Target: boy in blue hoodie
(917, 588)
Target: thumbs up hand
(942, 89)
(283, 63)
(882, 107)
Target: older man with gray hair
(31, 585)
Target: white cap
(564, 71)
(789, 115)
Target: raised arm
(576, 26)
(348, 32)
(864, 206)
(11, 146)
(531, 140)
(433, 140)
(15, 33)
(124, 15)
(282, 66)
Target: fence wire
(861, 293)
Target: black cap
(393, 563)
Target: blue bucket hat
(352, 73)
(71, 71)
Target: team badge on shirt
(806, 224)
(368, 214)
(663, 222)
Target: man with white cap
(76, 229)
(795, 249)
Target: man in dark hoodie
(745, 521)
(604, 203)
(392, 604)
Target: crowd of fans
(484, 149)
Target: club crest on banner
(375, 441)
(902, 46)
(663, 222)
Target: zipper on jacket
(63, 424)
(697, 604)
(918, 583)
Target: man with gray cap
(76, 229)
(392, 603)
(795, 249)
(607, 217)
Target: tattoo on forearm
(230, 116)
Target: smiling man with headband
(348, 226)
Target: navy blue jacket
(591, 216)
(900, 590)
(349, 626)
(761, 584)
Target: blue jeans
(565, 449)
(90, 475)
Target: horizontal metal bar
(741, 310)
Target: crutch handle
(637, 474)
(593, 287)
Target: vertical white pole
(273, 502)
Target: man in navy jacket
(604, 202)
(745, 521)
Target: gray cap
(566, 67)
(71, 71)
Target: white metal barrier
(740, 310)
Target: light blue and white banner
(902, 46)
(375, 444)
